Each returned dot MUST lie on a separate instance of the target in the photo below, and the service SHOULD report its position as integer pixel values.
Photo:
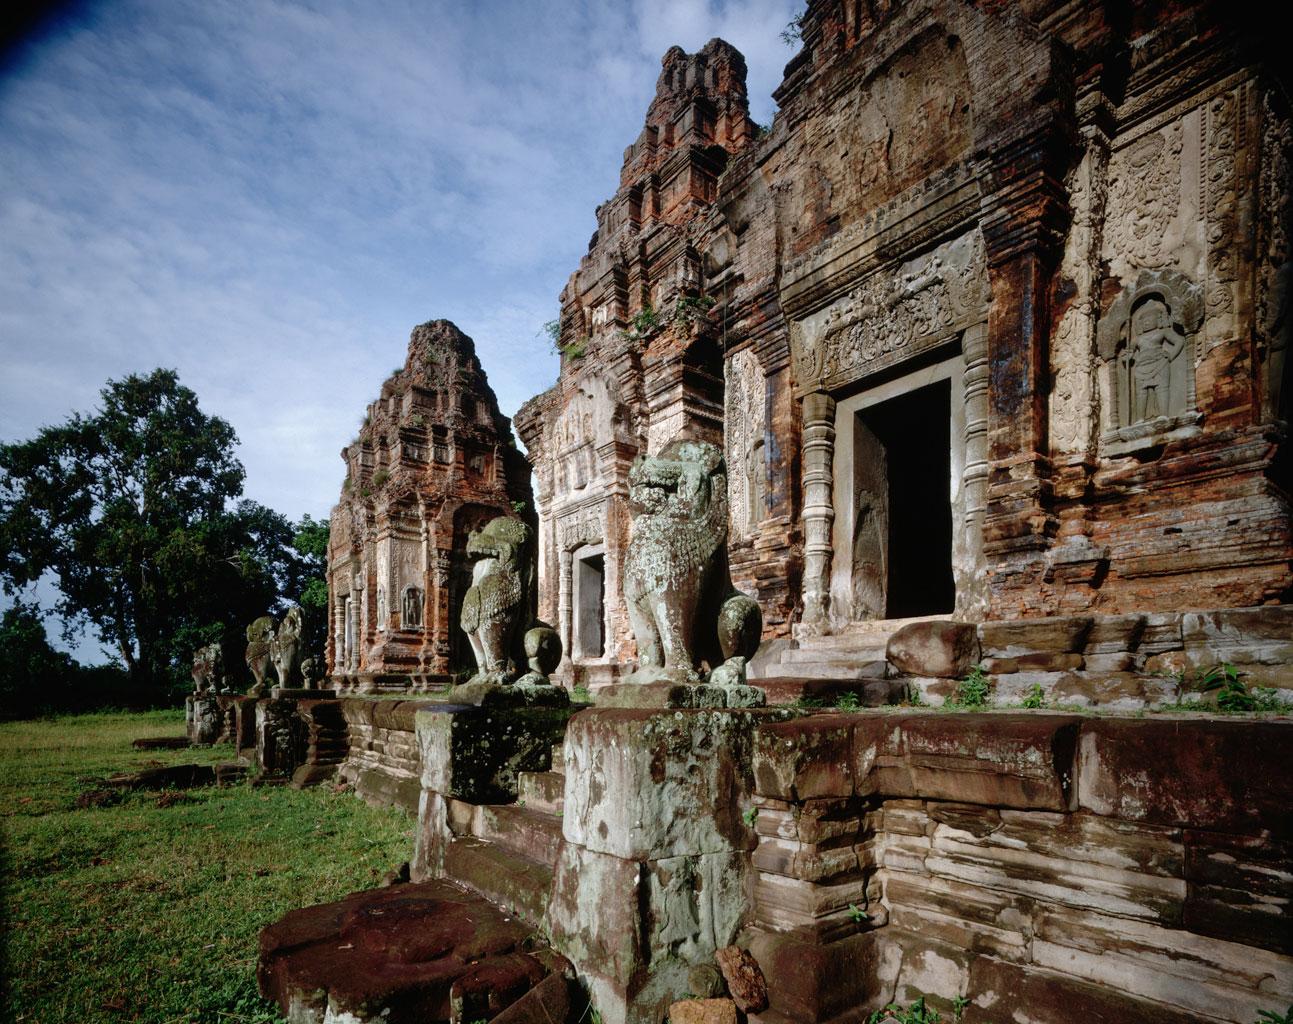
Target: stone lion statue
(494, 610)
(682, 606)
(208, 669)
(260, 635)
(285, 648)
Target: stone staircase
(855, 653)
(507, 852)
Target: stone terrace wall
(383, 763)
(1120, 662)
(1052, 868)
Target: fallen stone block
(936, 648)
(702, 1011)
(399, 955)
(744, 979)
(178, 776)
(161, 743)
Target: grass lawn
(148, 910)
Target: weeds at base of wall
(918, 1013)
(974, 691)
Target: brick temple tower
(434, 460)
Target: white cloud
(268, 196)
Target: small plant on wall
(975, 690)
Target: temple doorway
(907, 436)
(899, 458)
(590, 602)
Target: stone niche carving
(1149, 342)
(743, 433)
(411, 608)
(682, 606)
(893, 315)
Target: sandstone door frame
(828, 481)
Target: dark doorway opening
(914, 433)
(590, 606)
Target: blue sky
(267, 196)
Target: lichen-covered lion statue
(685, 613)
(497, 610)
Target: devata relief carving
(1146, 341)
(682, 606)
(411, 608)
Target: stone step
(519, 886)
(867, 693)
(832, 670)
(525, 831)
(843, 642)
(542, 791)
(833, 656)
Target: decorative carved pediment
(583, 526)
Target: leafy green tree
(29, 664)
(308, 585)
(132, 510)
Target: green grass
(149, 913)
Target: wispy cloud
(269, 195)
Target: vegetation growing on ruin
(148, 909)
(974, 691)
(918, 1012)
(575, 349)
(1035, 698)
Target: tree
(308, 583)
(131, 509)
(27, 656)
